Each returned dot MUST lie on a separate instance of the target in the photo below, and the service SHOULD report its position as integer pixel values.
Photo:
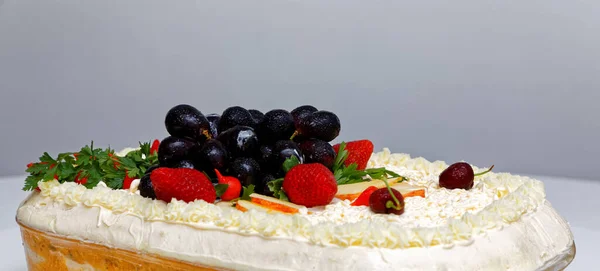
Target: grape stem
(484, 172)
(294, 135)
(207, 134)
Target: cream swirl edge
(522, 195)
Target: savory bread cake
(172, 206)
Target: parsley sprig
(343, 174)
(93, 165)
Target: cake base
(561, 261)
(46, 251)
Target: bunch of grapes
(247, 144)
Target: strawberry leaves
(93, 164)
(290, 163)
(350, 174)
(340, 158)
(275, 186)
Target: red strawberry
(310, 185)
(183, 184)
(29, 165)
(234, 187)
(82, 180)
(127, 181)
(359, 152)
(363, 199)
(154, 147)
(76, 155)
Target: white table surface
(576, 200)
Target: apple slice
(275, 204)
(408, 190)
(225, 204)
(244, 205)
(352, 191)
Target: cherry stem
(396, 201)
(484, 172)
(294, 135)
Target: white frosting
(503, 222)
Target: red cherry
(382, 202)
(459, 176)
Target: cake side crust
(45, 251)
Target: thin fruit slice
(244, 205)
(225, 204)
(352, 191)
(363, 199)
(408, 190)
(275, 204)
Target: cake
(80, 220)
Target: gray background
(513, 83)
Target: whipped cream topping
(540, 240)
(504, 220)
(444, 217)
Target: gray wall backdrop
(513, 83)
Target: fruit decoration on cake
(359, 152)
(278, 161)
(459, 176)
(185, 184)
(232, 186)
(386, 201)
(310, 185)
